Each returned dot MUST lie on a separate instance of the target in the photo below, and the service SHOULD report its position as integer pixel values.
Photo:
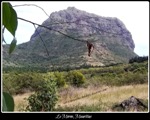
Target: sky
(135, 16)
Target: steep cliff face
(80, 23)
(112, 41)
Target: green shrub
(20, 83)
(75, 78)
(139, 70)
(60, 81)
(45, 98)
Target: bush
(20, 83)
(45, 98)
(75, 78)
(60, 81)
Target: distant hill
(112, 42)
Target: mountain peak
(112, 41)
(71, 8)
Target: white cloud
(135, 16)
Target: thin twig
(44, 44)
(32, 5)
(3, 29)
(52, 30)
(41, 39)
(70, 22)
(49, 28)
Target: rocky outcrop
(85, 24)
(131, 104)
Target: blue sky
(135, 16)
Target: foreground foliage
(44, 99)
(8, 102)
(10, 22)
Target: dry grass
(20, 102)
(72, 93)
(105, 98)
(112, 95)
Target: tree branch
(60, 32)
(3, 29)
(32, 5)
(87, 17)
(41, 39)
(52, 30)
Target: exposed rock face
(84, 24)
(112, 41)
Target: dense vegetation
(121, 74)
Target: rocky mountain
(65, 39)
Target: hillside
(112, 42)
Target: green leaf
(10, 18)
(8, 102)
(6, 13)
(12, 46)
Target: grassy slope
(103, 101)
